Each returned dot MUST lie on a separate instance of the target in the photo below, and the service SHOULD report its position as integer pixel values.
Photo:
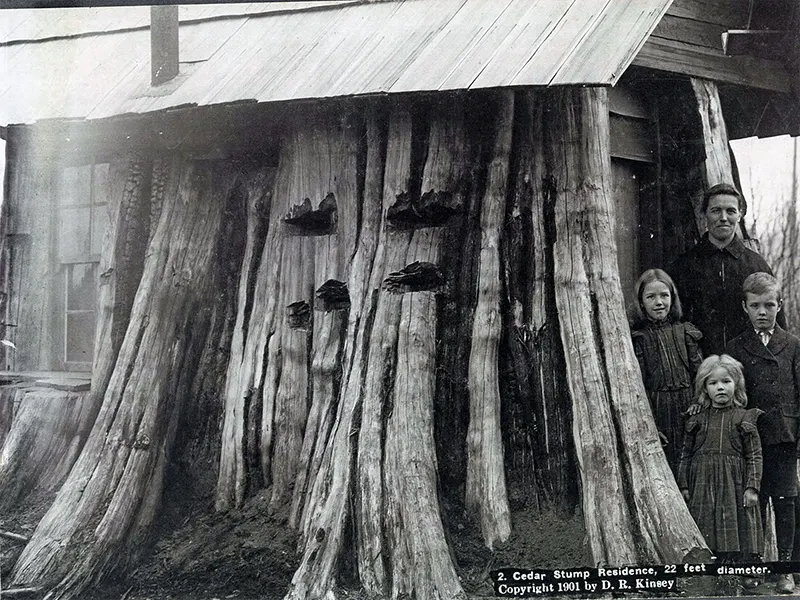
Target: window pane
(80, 337)
(100, 189)
(73, 234)
(75, 185)
(100, 222)
(81, 286)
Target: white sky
(765, 169)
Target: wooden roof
(99, 67)
(688, 40)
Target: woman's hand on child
(686, 495)
(693, 409)
(750, 498)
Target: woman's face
(720, 388)
(656, 300)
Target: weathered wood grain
(419, 562)
(618, 448)
(117, 481)
(45, 437)
(486, 486)
(573, 139)
(336, 145)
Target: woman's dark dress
(669, 355)
(721, 458)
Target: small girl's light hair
(649, 276)
(732, 366)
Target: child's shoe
(785, 584)
(750, 583)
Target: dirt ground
(245, 554)
(249, 554)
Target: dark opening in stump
(299, 315)
(302, 219)
(332, 295)
(416, 277)
(432, 209)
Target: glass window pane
(100, 222)
(80, 337)
(73, 234)
(75, 185)
(81, 286)
(100, 185)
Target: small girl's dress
(669, 356)
(721, 458)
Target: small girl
(720, 467)
(668, 354)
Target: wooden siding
(32, 266)
(688, 40)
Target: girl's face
(656, 300)
(720, 388)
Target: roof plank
(305, 50)
(669, 55)
(619, 24)
(451, 45)
(522, 43)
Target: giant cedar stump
(347, 419)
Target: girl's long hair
(638, 312)
(732, 366)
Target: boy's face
(762, 309)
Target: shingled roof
(59, 64)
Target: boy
(771, 360)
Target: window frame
(63, 266)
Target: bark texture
(718, 165)
(45, 437)
(537, 422)
(382, 440)
(103, 512)
(282, 382)
(631, 503)
(486, 485)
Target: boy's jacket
(772, 380)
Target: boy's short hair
(761, 283)
(733, 368)
(726, 189)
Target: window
(82, 222)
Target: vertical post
(163, 43)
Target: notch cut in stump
(416, 277)
(303, 220)
(433, 209)
(299, 315)
(333, 295)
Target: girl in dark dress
(669, 355)
(721, 463)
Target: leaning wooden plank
(22, 591)
(14, 537)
